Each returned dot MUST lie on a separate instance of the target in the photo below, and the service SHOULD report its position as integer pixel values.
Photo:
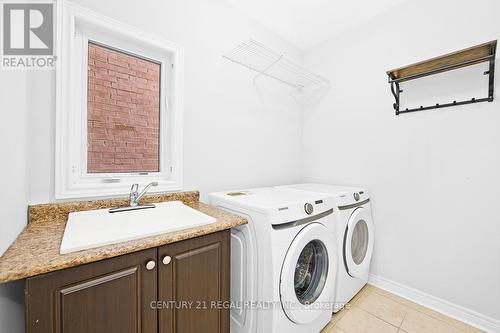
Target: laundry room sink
(95, 228)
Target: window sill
(100, 190)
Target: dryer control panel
(353, 198)
(309, 208)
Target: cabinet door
(109, 296)
(193, 284)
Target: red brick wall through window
(123, 112)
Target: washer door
(358, 243)
(308, 274)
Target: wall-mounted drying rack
(266, 62)
(467, 57)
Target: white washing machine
(283, 261)
(355, 241)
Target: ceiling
(306, 23)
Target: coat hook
(442, 64)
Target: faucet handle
(134, 188)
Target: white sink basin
(94, 228)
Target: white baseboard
(455, 311)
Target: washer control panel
(309, 208)
(302, 210)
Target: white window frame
(77, 26)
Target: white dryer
(283, 261)
(355, 237)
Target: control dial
(356, 196)
(308, 208)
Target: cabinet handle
(166, 260)
(150, 265)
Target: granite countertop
(36, 250)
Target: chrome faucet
(135, 196)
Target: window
(123, 112)
(119, 107)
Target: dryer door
(358, 243)
(308, 274)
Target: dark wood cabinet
(197, 278)
(108, 296)
(183, 293)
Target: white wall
(433, 175)
(236, 134)
(14, 193)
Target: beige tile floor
(374, 310)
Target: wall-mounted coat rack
(266, 62)
(467, 57)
